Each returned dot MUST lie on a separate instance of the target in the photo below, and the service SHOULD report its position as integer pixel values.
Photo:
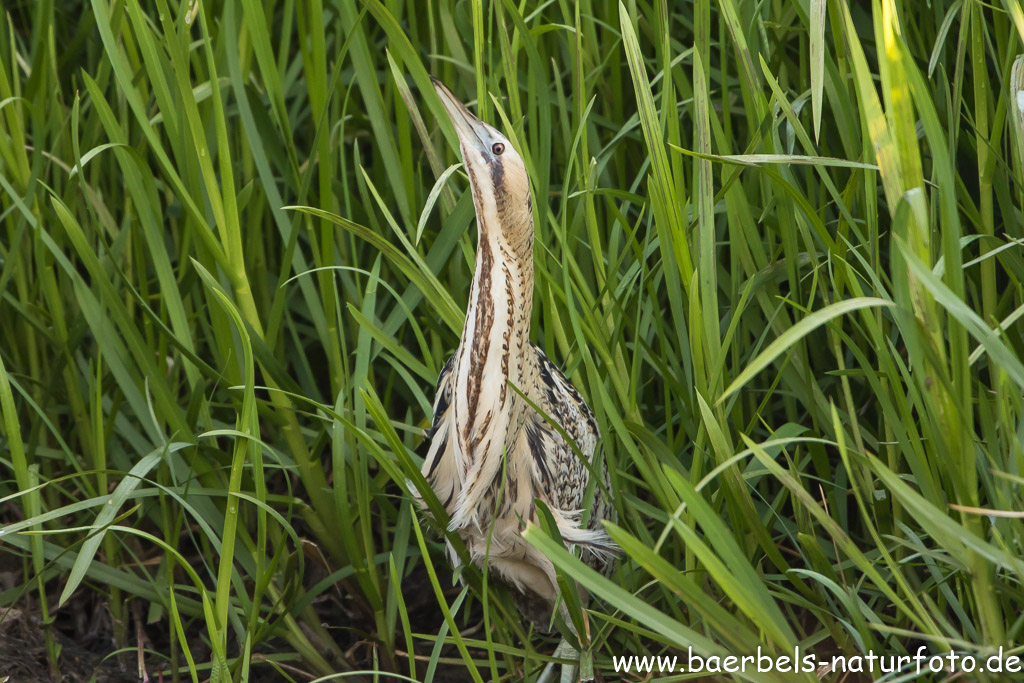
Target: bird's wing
(439, 467)
(560, 475)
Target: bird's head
(497, 174)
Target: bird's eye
(497, 148)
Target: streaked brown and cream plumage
(492, 453)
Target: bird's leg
(566, 672)
(582, 669)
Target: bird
(493, 451)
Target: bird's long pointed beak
(471, 130)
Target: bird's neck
(491, 357)
(496, 335)
(501, 296)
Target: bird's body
(492, 450)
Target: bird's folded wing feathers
(438, 468)
(560, 473)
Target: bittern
(492, 452)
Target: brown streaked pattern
(476, 350)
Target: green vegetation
(778, 249)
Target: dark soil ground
(82, 632)
(23, 654)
